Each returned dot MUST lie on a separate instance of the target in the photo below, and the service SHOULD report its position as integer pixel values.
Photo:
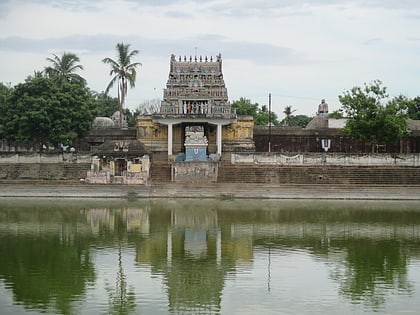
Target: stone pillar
(219, 139)
(170, 138)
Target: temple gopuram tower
(195, 98)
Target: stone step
(160, 171)
(326, 175)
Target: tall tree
(414, 108)
(123, 72)
(5, 91)
(244, 106)
(64, 69)
(372, 120)
(288, 111)
(296, 121)
(43, 113)
(264, 117)
(337, 114)
(105, 105)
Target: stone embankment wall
(44, 166)
(330, 169)
(240, 168)
(309, 175)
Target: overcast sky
(299, 51)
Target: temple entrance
(120, 167)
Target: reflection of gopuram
(193, 257)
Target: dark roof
(122, 148)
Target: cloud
(373, 41)
(305, 50)
(207, 44)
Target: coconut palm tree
(288, 112)
(123, 72)
(64, 68)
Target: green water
(209, 257)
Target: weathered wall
(194, 172)
(326, 159)
(289, 139)
(153, 135)
(241, 130)
(39, 166)
(32, 157)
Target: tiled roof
(123, 147)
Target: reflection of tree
(372, 268)
(121, 300)
(43, 270)
(195, 285)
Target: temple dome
(102, 123)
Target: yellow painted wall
(155, 136)
(242, 129)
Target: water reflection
(51, 255)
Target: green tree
(37, 74)
(369, 119)
(105, 105)
(296, 121)
(413, 110)
(337, 114)
(131, 117)
(123, 72)
(42, 113)
(288, 112)
(5, 91)
(244, 106)
(63, 69)
(263, 117)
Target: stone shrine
(195, 144)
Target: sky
(298, 51)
